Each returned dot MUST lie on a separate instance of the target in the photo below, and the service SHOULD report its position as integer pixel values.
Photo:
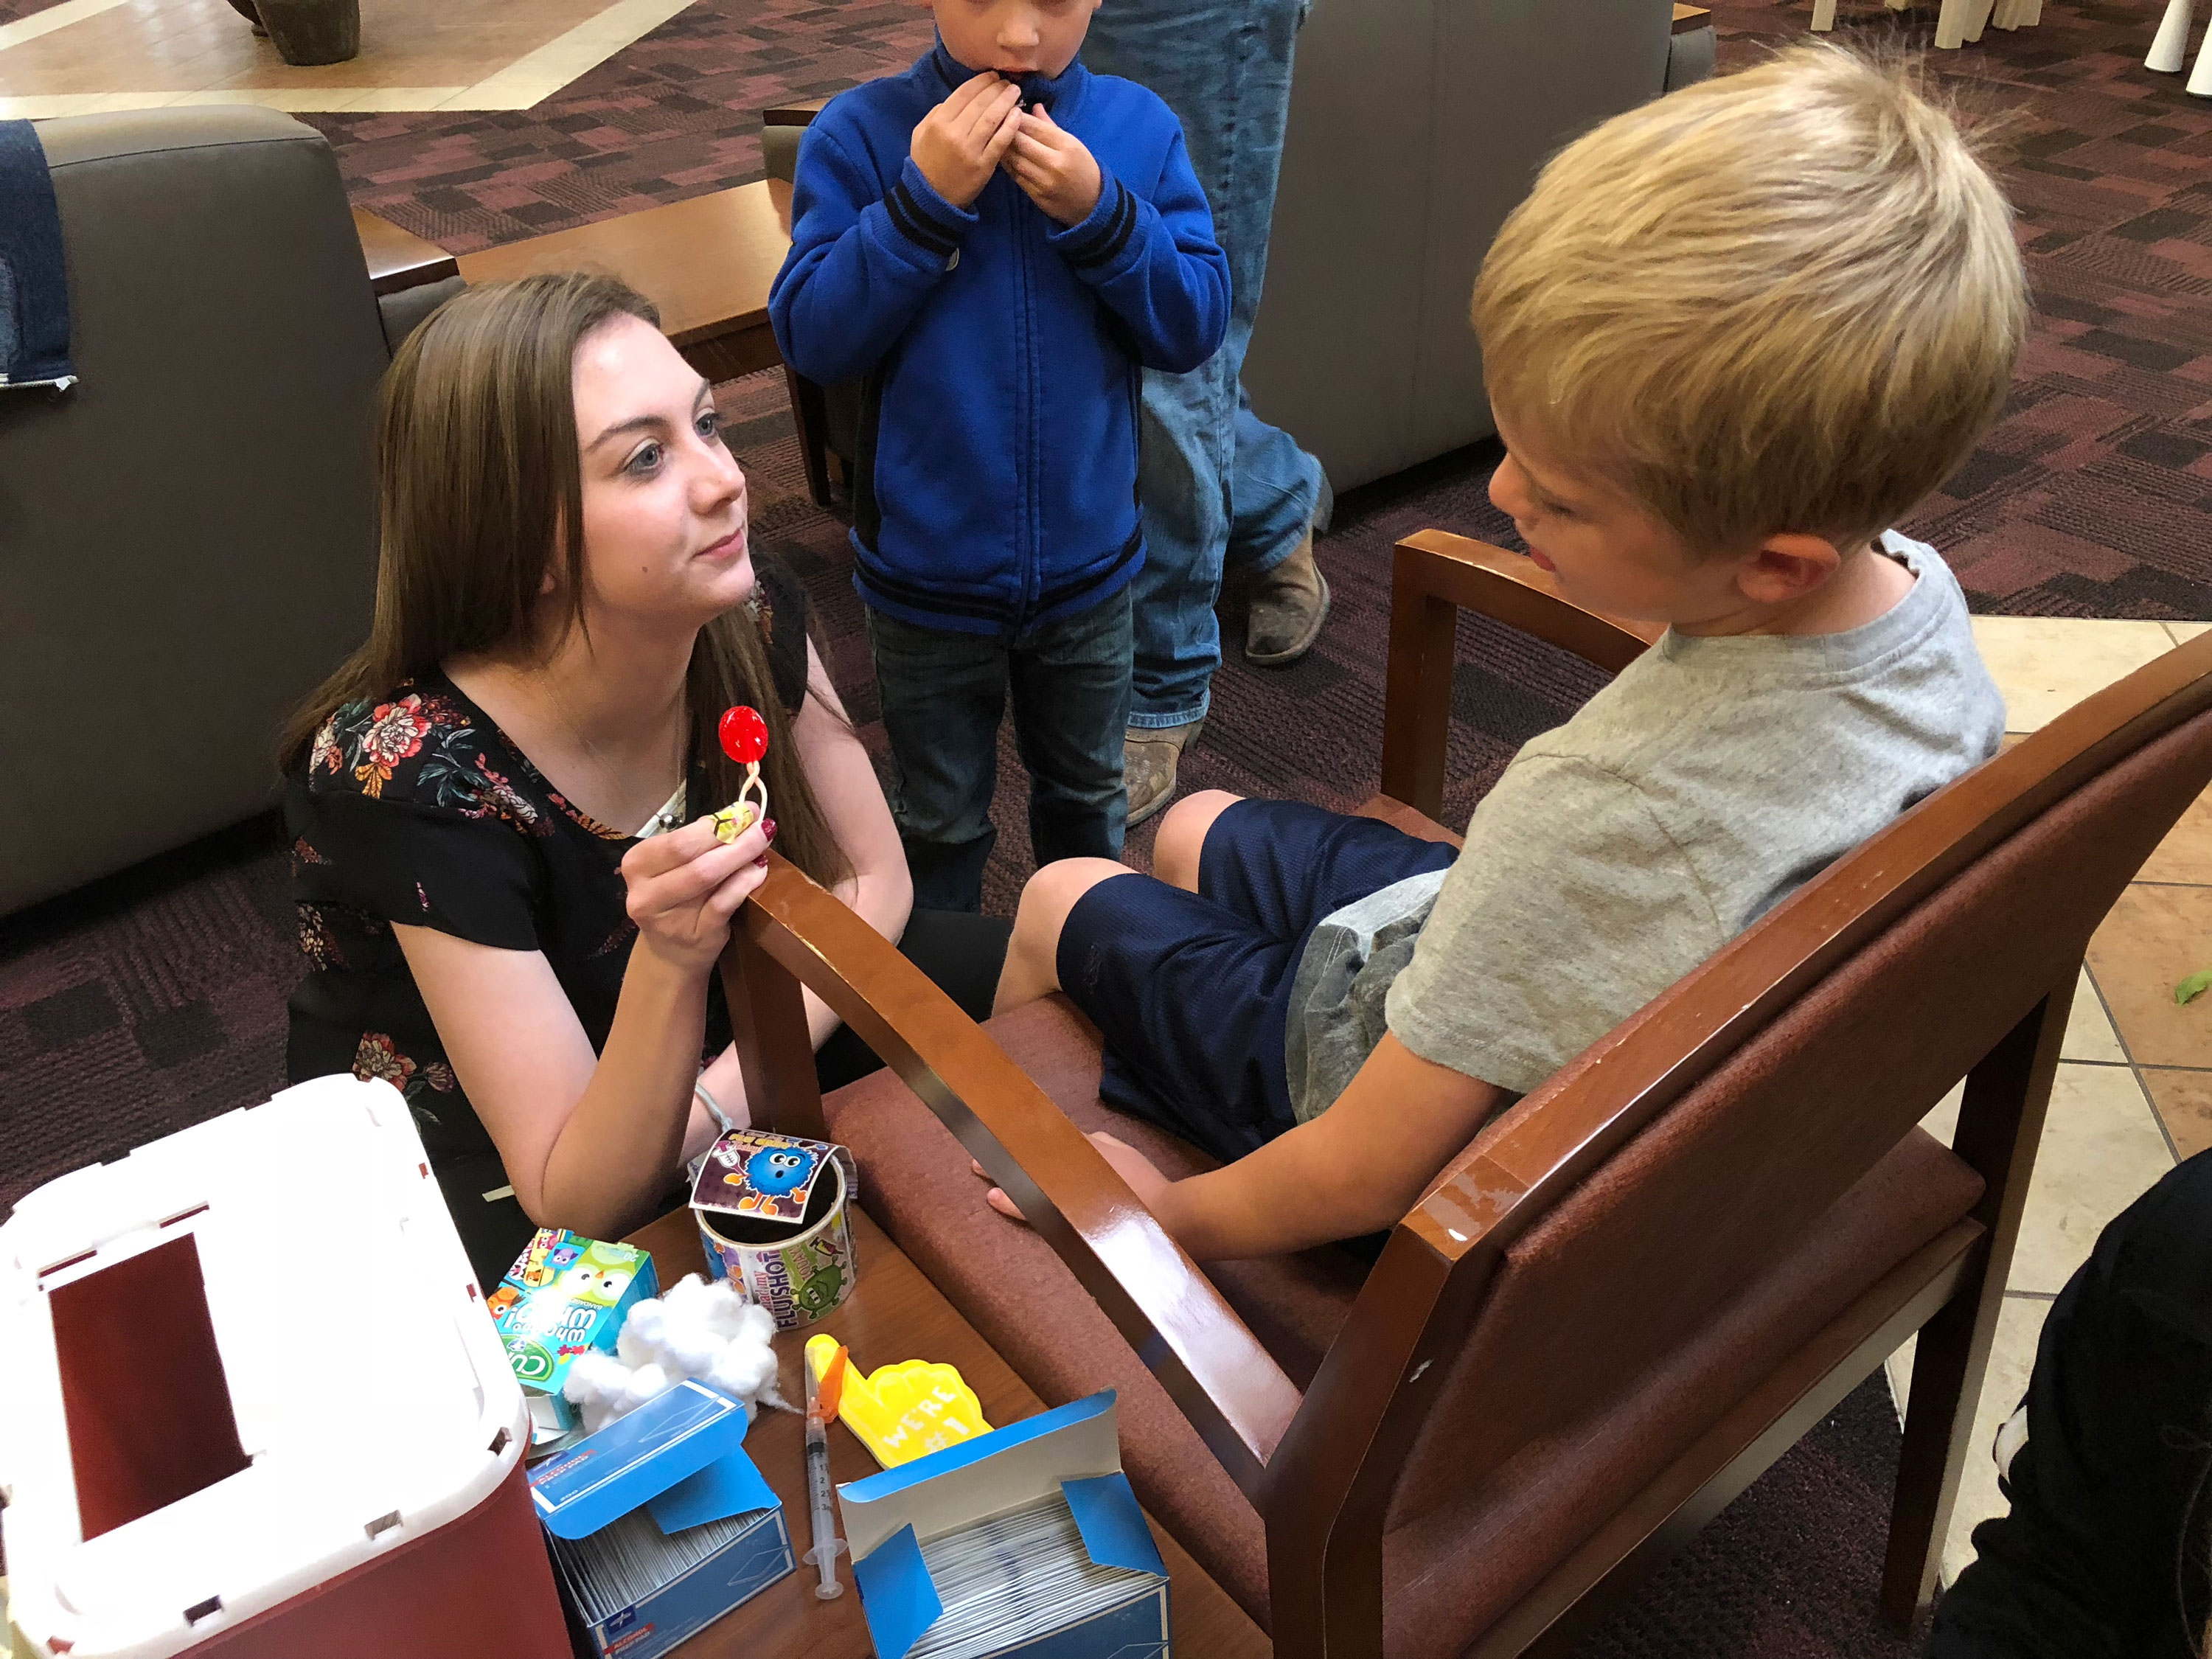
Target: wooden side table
(398, 260)
(893, 1314)
(707, 264)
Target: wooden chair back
(1610, 1221)
(1604, 1224)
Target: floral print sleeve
(404, 814)
(414, 808)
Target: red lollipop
(744, 735)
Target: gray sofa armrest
(187, 539)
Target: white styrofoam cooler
(370, 1392)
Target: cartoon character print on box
(799, 1278)
(599, 1278)
(549, 1255)
(750, 1172)
(549, 1311)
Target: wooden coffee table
(707, 264)
(893, 1314)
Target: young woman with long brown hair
(510, 898)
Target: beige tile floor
(2134, 1092)
(88, 57)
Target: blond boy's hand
(1053, 169)
(1133, 1166)
(960, 144)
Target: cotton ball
(731, 1313)
(688, 1341)
(697, 1329)
(687, 1291)
(755, 1323)
(596, 1383)
(744, 1370)
(641, 1333)
(593, 1376)
(646, 1383)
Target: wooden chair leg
(808, 414)
(768, 1024)
(2000, 1128)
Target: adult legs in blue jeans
(1220, 485)
(943, 694)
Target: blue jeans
(1220, 485)
(943, 694)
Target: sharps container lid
(245, 1359)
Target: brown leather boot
(1149, 754)
(1287, 607)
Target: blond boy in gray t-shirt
(1730, 337)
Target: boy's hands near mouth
(960, 144)
(1053, 169)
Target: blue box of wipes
(660, 1524)
(1024, 1543)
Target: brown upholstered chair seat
(1030, 1307)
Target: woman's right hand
(684, 886)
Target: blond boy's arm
(1355, 1169)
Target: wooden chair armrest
(794, 932)
(399, 259)
(1513, 589)
(800, 113)
(1435, 574)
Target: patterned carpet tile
(2092, 497)
(675, 115)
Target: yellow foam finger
(905, 1411)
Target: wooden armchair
(1630, 1292)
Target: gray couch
(1416, 125)
(187, 539)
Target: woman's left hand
(684, 886)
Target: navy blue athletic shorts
(1191, 990)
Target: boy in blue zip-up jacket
(994, 243)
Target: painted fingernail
(768, 829)
(761, 863)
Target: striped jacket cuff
(1100, 238)
(925, 218)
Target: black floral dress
(416, 808)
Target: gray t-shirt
(1620, 850)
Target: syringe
(822, 1394)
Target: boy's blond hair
(1786, 300)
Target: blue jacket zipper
(1025, 411)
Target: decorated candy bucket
(800, 1276)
